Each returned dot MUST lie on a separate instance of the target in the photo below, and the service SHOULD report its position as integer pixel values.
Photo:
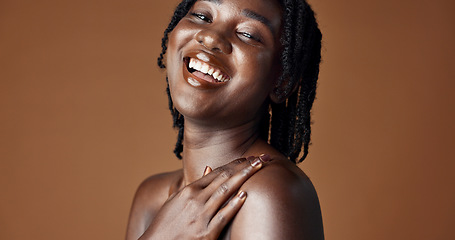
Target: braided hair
(287, 125)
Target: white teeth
(205, 68)
(198, 66)
(216, 74)
(191, 64)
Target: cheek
(255, 81)
(259, 68)
(174, 57)
(172, 47)
(177, 39)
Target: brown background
(84, 117)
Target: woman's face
(223, 60)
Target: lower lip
(193, 82)
(198, 82)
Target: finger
(221, 192)
(265, 158)
(226, 214)
(205, 180)
(226, 172)
(207, 170)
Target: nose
(214, 41)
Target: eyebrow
(217, 2)
(256, 16)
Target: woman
(241, 82)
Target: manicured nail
(256, 163)
(265, 157)
(242, 195)
(207, 170)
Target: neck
(214, 147)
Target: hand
(203, 208)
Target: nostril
(210, 46)
(203, 44)
(213, 41)
(216, 49)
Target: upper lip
(212, 61)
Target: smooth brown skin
(200, 202)
(221, 124)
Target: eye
(202, 17)
(249, 36)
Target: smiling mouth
(204, 71)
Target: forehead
(268, 12)
(245, 1)
(271, 6)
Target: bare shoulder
(281, 204)
(149, 198)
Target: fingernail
(207, 170)
(256, 163)
(250, 158)
(242, 195)
(265, 157)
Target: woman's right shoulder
(150, 196)
(157, 186)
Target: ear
(276, 96)
(278, 93)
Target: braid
(178, 122)
(181, 10)
(277, 126)
(288, 126)
(178, 119)
(301, 40)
